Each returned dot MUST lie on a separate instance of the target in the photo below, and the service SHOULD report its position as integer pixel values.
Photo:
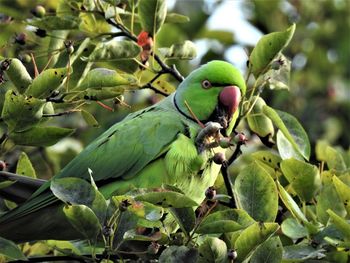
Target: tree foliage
(78, 66)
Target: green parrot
(151, 147)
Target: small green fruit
(38, 11)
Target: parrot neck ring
(181, 111)
(228, 103)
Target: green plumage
(148, 148)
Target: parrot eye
(206, 84)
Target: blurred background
(319, 93)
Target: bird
(149, 148)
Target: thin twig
(36, 72)
(194, 115)
(151, 87)
(226, 175)
(165, 68)
(61, 113)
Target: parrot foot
(211, 130)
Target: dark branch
(60, 113)
(226, 175)
(56, 99)
(165, 68)
(150, 86)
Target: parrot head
(213, 92)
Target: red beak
(230, 98)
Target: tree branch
(150, 86)
(226, 175)
(60, 113)
(165, 68)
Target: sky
(229, 16)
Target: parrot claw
(211, 129)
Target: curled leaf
(18, 75)
(291, 129)
(152, 14)
(257, 120)
(55, 22)
(19, 112)
(40, 136)
(114, 51)
(103, 78)
(47, 81)
(266, 50)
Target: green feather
(148, 148)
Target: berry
(219, 158)
(38, 11)
(210, 193)
(21, 39)
(153, 248)
(232, 254)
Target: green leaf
(164, 86)
(343, 191)
(291, 129)
(24, 166)
(57, 39)
(176, 18)
(11, 250)
(185, 217)
(77, 191)
(176, 254)
(84, 220)
(291, 204)
(268, 159)
(152, 14)
(285, 148)
(63, 246)
(328, 198)
(293, 229)
(256, 193)
(212, 250)
(253, 236)
(133, 235)
(338, 243)
(267, 48)
(165, 198)
(40, 136)
(20, 113)
(186, 50)
(143, 209)
(89, 119)
(18, 75)
(334, 159)
(99, 78)
(277, 78)
(47, 81)
(55, 22)
(224, 221)
(102, 94)
(257, 120)
(268, 252)
(341, 224)
(303, 177)
(301, 252)
(320, 150)
(114, 51)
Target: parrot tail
(20, 187)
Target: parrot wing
(120, 152)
